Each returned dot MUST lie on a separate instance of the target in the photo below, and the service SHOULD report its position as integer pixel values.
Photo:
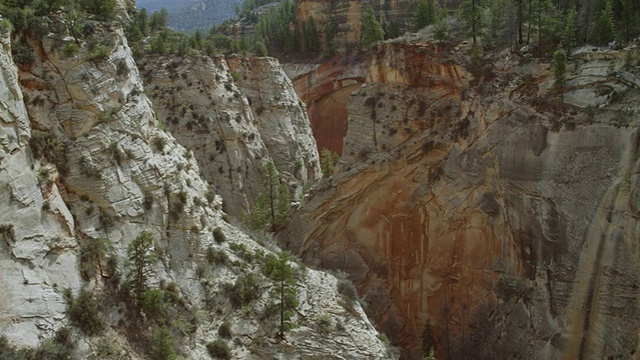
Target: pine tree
(273, 202)
(328, 161)
(141, 258)
(559, 65)
(313, 40)
(549, 26)
(392, 30)
(280, 271)
(569, 31)
(471, 13)
(424, 14)
(440, 30)
(604, 29)
(372, 32)
(520, 19)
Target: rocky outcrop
(84, 157)
(234, 120)
(485, 210)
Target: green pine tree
(570, 28)
(440, 30)
(470, 11)
(372, 31)
(604, 29)
(328, 161)
(273, 203)
(284, 292)
(559, 66)
(424, 15)
(141, 258)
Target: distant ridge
(189, 15)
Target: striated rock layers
(484, 211)
(83, 157)
(234, 115)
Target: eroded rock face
(234, 120)
(325, 88)
(490, 213)
(83, 156)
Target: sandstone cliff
(84, 157)
(235, 115)
(485, 210)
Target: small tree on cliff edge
(372, 32)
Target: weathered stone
(500, 217)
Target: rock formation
(484, 210)
(234, 120)
(84, 157)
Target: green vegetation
(283, 293)
(225, 330)
(428, 341)
(559, 65)
(93, 252)
(245, 289)
(346, 288)
(219, 349)
(8, 233)
(372, 32)
(273, 203)
(163, 346)
(328, 161)
(84, 312)
(141, 258)
(604, 29)
(424, 15)
(470, 11)
(61, 346)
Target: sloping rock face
(234, 120)
(487, 213)
(83, 157)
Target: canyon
(476, 210)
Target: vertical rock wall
(500, 219)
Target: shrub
(225, 330)
(10, 352)
(219, 349)
(70, 48)
(216, 257)
(244, 290)
(347, 290)
(61, 346)
(98, 52)
(324, 322)
(85, 314)
(153, 305)
(163, 346)
(93, 252)
(7, 231)
(104, 10)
